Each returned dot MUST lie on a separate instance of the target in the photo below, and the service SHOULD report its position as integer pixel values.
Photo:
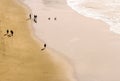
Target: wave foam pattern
(105, 10)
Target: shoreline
(57, 58)
(82, 10)
(86, 42)
(67, 54)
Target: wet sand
(91, 48)
(21, 58)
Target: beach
(21, 58)
(87, 43)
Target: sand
(21, 58)
(88, 45)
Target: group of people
(50, 18)
(34, 18)
(9, 33)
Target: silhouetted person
(49, 18)
(7, 32)
(55, 18)
(30, 17)
(44, 47)
(12, 32)
(35, 18)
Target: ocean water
(90, 60)
(105, 10)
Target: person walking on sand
(6, 33)
(30, 17)
(44, 47)
(11, 32)
(35, 18)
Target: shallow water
(92, 50)
(105, 10)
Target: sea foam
(105, 10)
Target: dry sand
(88, 44)
(20, 56)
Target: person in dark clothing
(44, 47)
(6, 33)
(55, 18)
(30, 17)
(11, 32)
(49, 18)
(35, 18)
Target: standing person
(30, 16)
(7, 32)
(35, 18)
(55, 18)
(44, 47)
(11, 32)
(49, 18)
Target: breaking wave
(105, 10)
